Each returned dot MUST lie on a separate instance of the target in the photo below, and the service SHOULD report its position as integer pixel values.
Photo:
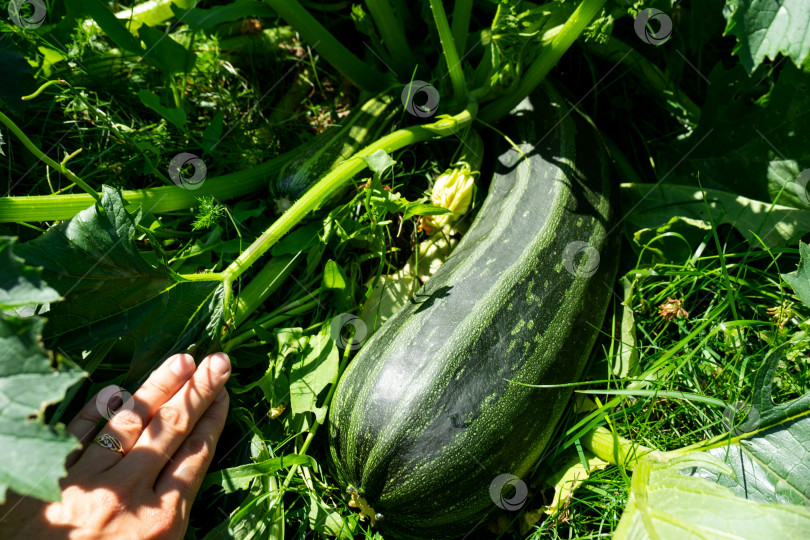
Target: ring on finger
(109, 442)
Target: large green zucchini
(429, 413)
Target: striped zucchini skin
(425, 418)
(360, 128)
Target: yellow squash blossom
(453, 190)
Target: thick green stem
(269, 323)
(295, 307)
(330, 48)
(462, 10)
(548, 58)
(262, 285)
(450, 52)
(340, 175)
(403, 12)
(210, 276)
(614, 449)
(155, 200)
(393, 34)
(59, 167)
(227, 300)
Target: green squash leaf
(664, 503)
(112, 292)
(751, 137)
(33, 453)
(21, 284)
(771, 462)
(777, 226)
(775, 465)
(379, 162)
(770, 451)
(755, 486)
(771, 415)
(766, 28)
(799, 280)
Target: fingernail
(115, 403)
(182, 365)
(220, 363)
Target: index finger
(173, 422)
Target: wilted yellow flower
(672, 309)
(453, 190)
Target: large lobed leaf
(755, 486)
(751, 137)
(111, 292)
(33, 453)
(664, 503)
(799, 280)
(671, 208)
(21, 284)
(314, 369)
(771, 463)
(766, 28)
(771, 468)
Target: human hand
(168, 432)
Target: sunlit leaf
(799, 280)
(753, 487)
(776, 225)
(665, 503)
(33, 453)
(314, 369)
(766, 28)
(379, 161)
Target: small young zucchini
(361, 127)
